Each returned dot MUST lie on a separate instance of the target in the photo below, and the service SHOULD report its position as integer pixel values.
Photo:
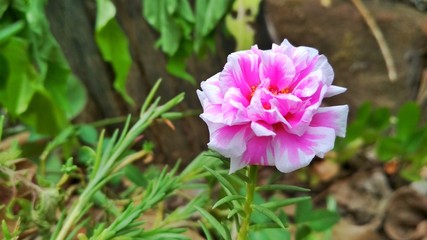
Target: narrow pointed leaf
(224, 182)
(227, 199)
(273, 205)
(268, 213)
(217, 225)
(280, 187)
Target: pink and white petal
(230, 141)
(309, 85)
(278, 68)
(324, 139)
(211, 89)
(261, 129)
(293, 152)
(326, 68)
(258, 152)
(334, 117)
(234, 107)
(236, 164)
(240, 71)
(334, 90)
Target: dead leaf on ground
(406, 215)
(346, 230)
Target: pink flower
(264, 108)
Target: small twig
(385, 50)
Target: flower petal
(334, 90)
(230, 141)
(211, 89)
(240, 71)
(292, 152)
(326, 68)
(261, 129)
(278, 68)
(258, 152)
(334, 117)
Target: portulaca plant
(264, 109)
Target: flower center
(276, 91)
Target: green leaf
(303, 232)
(46, 122)
(270, 214)
(20, 86)
(269, 233)
(185, 11)
(215, 11)
(227, 199)
(317, 220)
(205, 231)
(10, 30)
(114, 45)
(222, 230)
(224, 182)
(88, 134)
(1, 125)
(177, 63)
(86, 155)
(281, 187)
(387, 148)
(380, 118)
(5, 230)
(275, 204)
(407, 120)
(4, 4)
(135, 175)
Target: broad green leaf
(4, 4)
(318, 220)
(222, 230)
(177, 63)
(10, 30)
(135, 175)
(303, 232)
(380, 118)
(407, 120)
(86, 155)
(321, 220)
(20, 86)
(114, 45)
(67, 91)
(215, 11)
(270, 214)
(50, 121)
(388, 147)
(88, 134)
(152, 11)
(170, 35)
(185, 11)
(240, 26)
(227, 199)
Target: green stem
(250, 190)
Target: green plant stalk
(250, 190)
(103, 173)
